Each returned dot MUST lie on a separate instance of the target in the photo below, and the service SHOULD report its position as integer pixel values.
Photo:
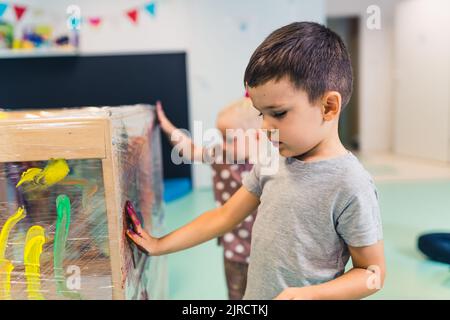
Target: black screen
(111, 80)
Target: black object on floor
(435, 246)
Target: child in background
(321, 206)
(227, 178)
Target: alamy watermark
(73, 281)
(237, 146)
(374, 280)
(373, 21)
(73, 17)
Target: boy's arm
(365, 278)
(177, 138)
(209, 225)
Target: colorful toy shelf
(36, 53)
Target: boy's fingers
(138, 240)
(132, 214)
(144, 234)
(140, 231)
(135, 221)
(135, 237)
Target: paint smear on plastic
(37, 178)
(59, 247)
(6, 267)
(35, 239)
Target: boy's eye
(260, 114)
(279, 114)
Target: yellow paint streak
(6, 267)
(9, 224)
(35, 239)
(55, 171)
(29, 175)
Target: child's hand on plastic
(165, 123)
(139, 236)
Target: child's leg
(236, 276)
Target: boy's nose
(269, 129)
(266, 125)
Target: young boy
(320, 208)
(229, 166)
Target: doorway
(348, 29)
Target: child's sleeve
(252, 182)
(359, 224)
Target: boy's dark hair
(313, 57)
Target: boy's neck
(325, 149)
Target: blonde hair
(241, 113)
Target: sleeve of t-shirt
(359, 224)
(252, 182)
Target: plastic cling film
(71, 171)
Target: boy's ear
(331, 105)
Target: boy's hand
(304, 293)
(143, 240)
(165, 123)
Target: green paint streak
(59, 247)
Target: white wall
(422, 64)
(219, 51)
(375, 77)
(209, 30)
(404, 76)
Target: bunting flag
(3, 7)
(151, 9)
(95, 21)
(133, 15)
(20, 11)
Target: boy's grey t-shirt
(309, 213)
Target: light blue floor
(408, 209)
(195, 273)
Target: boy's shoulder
(356, 184)
(356, 172)
(346, 173)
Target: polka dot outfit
(227, 179)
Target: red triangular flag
(133, 15)
(19, 10)
(95, 21)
